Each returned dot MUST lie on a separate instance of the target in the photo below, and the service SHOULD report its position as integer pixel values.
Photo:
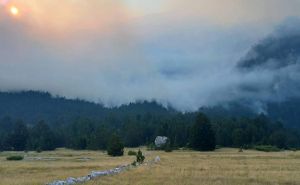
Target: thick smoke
(272, 66)
(279, 50)
(185, 63)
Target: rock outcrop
(160, 141)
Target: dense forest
(45, 123)
(32, 106)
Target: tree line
(192, 130)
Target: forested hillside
(37, 121)
(31, 107)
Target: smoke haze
(186, 54)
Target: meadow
(223, 167)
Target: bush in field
(15, 158)
(168, 147)
(131, 153)
(115, 146)
(133, 163)
(39, 150)
(140, 157)
(151, 146)
(266, 148)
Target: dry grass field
(223, 167)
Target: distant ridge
(33, 106)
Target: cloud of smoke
(101, 53)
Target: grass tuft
(15, 158)
(267, 148)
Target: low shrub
(39, 150)
(168, 148)
(131, 153)
(266, 148)
(247, 147)
(15, 158)
(294, 149)
(218, 147)
(140, 157)
(133, 163)
(151, 147)
(115, 146)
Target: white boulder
(160, 141)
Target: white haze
(176, 57)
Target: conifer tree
(202, 135)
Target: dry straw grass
(40, 168)
(223, 167)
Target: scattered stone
(83, 179)
(160, 141)
(157, 159)
(41, 159)
(92, 175)
(84, 159)
(58, 183)
(96, 174)
(71, 180)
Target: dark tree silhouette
(18, 138)
(115, 146)
(202, 135)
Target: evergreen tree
(132, 134)
(81, 133)
(140, 157)
(238, 137)
(18, 138)
(99, 139)
(278, 139)
(202, 135)
(115, 146)
(41, 137)
(6, 127)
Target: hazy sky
(178, 52)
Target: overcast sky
(178, 52)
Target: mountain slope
(33, 106)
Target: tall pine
(19, 136)
(202, 135)
(115, 146)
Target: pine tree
(42, 137)
(18, 138)
(140, 157)
(115, 146)
(202, 135)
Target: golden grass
(55, 165)
(223, 167)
